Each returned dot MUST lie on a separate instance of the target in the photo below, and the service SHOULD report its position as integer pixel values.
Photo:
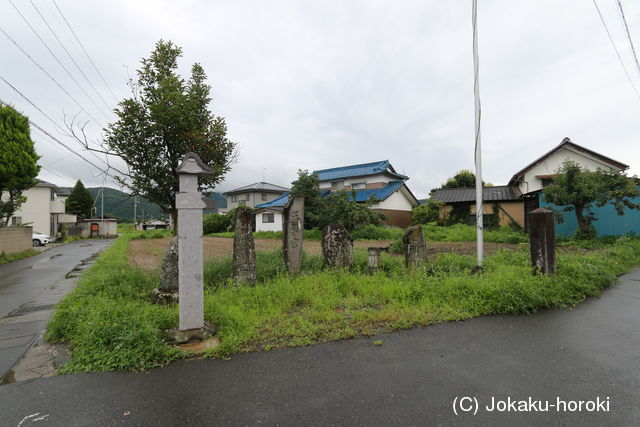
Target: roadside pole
(478, 150)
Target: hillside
(119, 205)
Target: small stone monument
(190, 204)
(373, 259)
(167, 292)
(337, 246)
(542, 241)
(293, 224)
(415, 248)
(244, 250)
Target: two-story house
(378, 179)
(253, 194)
(44, 209)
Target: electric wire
(626, 28)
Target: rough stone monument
(542, 241)
(189, 203)
(167, 292)
(244, 250)
(415, 248)
(337, 246)
(293, 225)
(373, 259)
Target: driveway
(28, 290)
(588, 353)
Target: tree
(464, 178)
(80, 201)
(578, 189)
(427, 212)
(18, 161)
(166, 118)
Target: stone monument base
(176, 336)
(158, 296)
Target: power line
(626, 28)
(624, 67)
(43, 113)
(32, 123)
(85, 51)
(57, 60)
(69, 54)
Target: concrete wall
(35, 211)
(550, 165)
(396, 218)
(15, 239)
(108, 228)
(276, 225)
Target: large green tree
(577, 189)
(18, 161)
(166, 117)
(79, 202)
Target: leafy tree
(578, 189)
(165, 118)
(334, 208)
(308, 184)
(18, 161)
(426, 213)
(79, 202)
(464, 178)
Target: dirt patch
(148, 253)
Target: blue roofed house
(378, 179)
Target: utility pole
(135, 210)
(478, 150)
(102, 213)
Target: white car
(40, 239)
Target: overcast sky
(319, 84)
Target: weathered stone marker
(542, 241)
(373, 259)
(415, 248)
(337, 246)
(293, 224)
(244, 249)
(169, 274)
(190, 273)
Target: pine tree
(79, 202)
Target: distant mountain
(119, 205)
(220, 202)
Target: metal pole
(478, 150)
(135, 209)
(102, 212)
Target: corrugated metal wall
(608, 221)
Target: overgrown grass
(5, 258)
(149, 234)
(111, 324)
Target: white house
(253, 194)
(377, 179)
(44, 209)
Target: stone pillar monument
(542, 241)
(415, 248)
(189, 204)
(337, 246)
(244, 250)
(373, 259)
(293, 223)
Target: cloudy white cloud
(316, 84)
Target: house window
(546, 182)
(247, 197)
(359, 185)
(337, 185)
(15, 220)
(268, 217)
(264, 197)
(234, 198)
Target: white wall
(255, 198)
(550, 165)
(368, 179)
(276, 225)
(36, 209)
(400, 200)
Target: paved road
(28, 289)
(590, 352)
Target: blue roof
(359, 170)
(361, 195)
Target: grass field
(110, 323)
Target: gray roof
(258, 187)
(496, 194)
(63, 191)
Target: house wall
(373, 181)
(276, 225)
(15, 239)
(396, 218)
(513, 209)
(255, 198)
(36, 210)
(550, 165)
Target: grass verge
(110, 323)
(5, 258)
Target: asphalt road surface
(589, 354)
(28, 290)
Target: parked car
(40, 239)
